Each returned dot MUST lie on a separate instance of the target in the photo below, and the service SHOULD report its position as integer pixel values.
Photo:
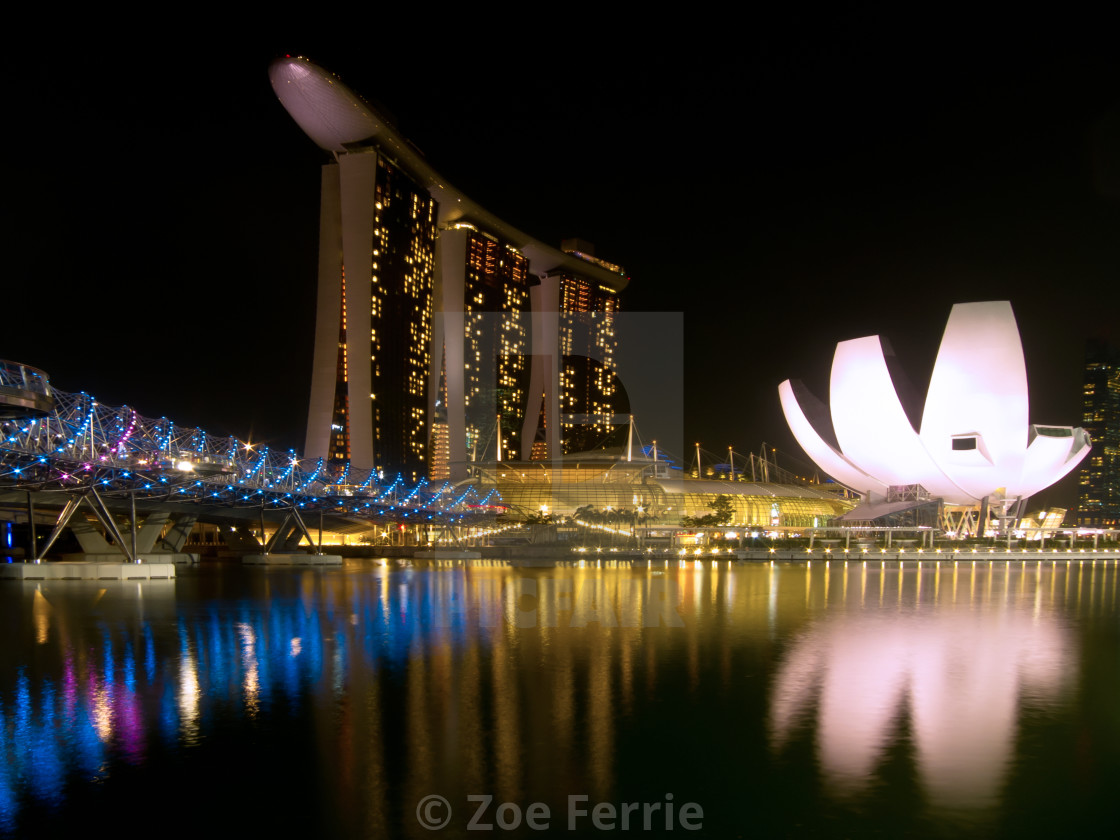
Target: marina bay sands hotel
(443, 334)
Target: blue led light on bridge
(119, 451)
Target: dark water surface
(954, 700)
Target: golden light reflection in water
(41, 617)
(250, 681)
(188, 697)
(102, 712)
(530, 684)
(954, 668)
(522, 699)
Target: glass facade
(496, 337)
(589, 391)
(400, 279)
(1099, 481)
(639, 489)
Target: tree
(588, 514)
(723, 512)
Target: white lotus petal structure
(975, 439)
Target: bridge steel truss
(94, 453)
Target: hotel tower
(443, 335)
(1099, 480)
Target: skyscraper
(422, 335)
(588, 400)
(376, 266)
(1099, 499)
(481, 335)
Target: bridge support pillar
(239, 540)
(89, 537)
(148, 531)
(286, 538)
(181, 529)
(96, 549)
(91, 540)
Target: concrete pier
(86, 570)
(179, 558)
(926, 556)
(296, 559)
(445, 554)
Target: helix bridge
(52, 441)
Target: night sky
(783, 188)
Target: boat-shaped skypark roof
(339, 120)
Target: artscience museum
(976, 445)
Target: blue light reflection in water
(246, 655)
(786, 689)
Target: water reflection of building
(954, 678)
(467, 678)
(416, 678)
